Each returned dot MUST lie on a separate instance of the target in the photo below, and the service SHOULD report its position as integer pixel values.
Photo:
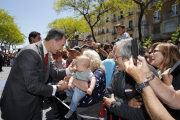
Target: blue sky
(32, 15)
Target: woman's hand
(89, 91)
(167, 78)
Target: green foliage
(9, 31)
(91, 10)
(147, 42)
(175, 37)
(70, 25)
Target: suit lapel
(41, 53)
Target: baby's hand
(70, 86)
(89, 91)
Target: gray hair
(56, 34)
(126, 47)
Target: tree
(176, 36)
(91, 10)
(9, 31)
(70, 25)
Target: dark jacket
(26, 83)
(123, 87)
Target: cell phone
(135, 50)
(175, 69)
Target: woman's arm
(83, 85)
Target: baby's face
(79, 67)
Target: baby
(85, 74)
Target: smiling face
(118, 58)
(157, 58)
(57, 45)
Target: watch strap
(139, 87)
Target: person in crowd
(121, 31)
(108, 47)
(91, 105)
(154, 107)
(99, 48)
(65, 54)
(121, 90)
(84, 47)
(74, 95)
(59, 61)
(22, 95)
(34, 37)
(165, 56)
(111, 55)
(75, 51)
(1, 61)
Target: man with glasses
(121, 91)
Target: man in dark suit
(22, 95)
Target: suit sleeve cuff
(54, 90)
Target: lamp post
(76, 34)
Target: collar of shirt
(44, 49)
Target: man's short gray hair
(126, 46)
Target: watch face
(138, 89)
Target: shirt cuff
(67, 71)
(171, 86)
(54, 90)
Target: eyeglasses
(154, 51)
(115, 57)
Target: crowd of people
(86, 76)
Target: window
(131, 35)
(157, 14)
(130, 24)
(115, 31)
(114, 16)
(175, 9)
(156, 30)
(169, 27)
(103, 40)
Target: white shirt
(67, 70)
(125, 35)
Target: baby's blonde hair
(84, 60)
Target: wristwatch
(57, 90)
(139, 87)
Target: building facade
(157, 24)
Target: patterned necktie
(46, 59)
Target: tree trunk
(139, 23)
(92, 31)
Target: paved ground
(48, 109)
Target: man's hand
(70, 86)
(108, 101)
(89, 91)
(136, 102)
(167, 78)
(62, 85)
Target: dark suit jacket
(25, 85)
